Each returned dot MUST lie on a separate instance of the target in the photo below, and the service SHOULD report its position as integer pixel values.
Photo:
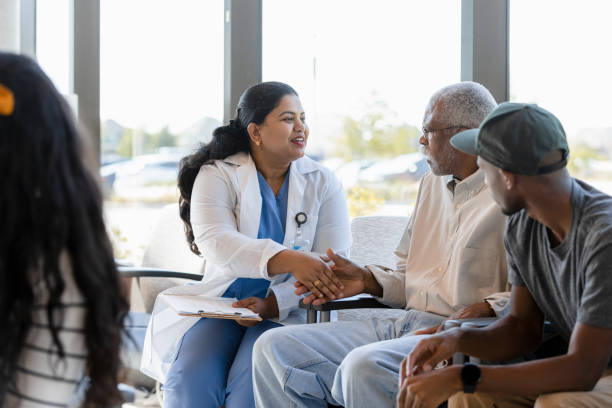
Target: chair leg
(311, 316)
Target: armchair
(322, 313)
(374, 241)
(136, 326)
(167, 262)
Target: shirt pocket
(480, 274)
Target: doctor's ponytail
(254, 105)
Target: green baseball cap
(515, 137)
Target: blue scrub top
(271, 225)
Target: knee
(358, 366)
(559, 399)
(191, 381)
(268, 346)
(363, 370)
(198, 365)
(463, 400)
(190, 368)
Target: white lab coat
(225, 212)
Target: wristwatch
(470, 377)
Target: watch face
(470, 374)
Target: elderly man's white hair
(463, 104)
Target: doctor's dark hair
(254, 105)
(51, 205)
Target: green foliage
(150, 142)
(163, 138)
(125, 144)
(119, 242)
(374, 135)
(362, 201)
(580, 159)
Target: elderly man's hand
(480, 309)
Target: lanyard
(299, 243)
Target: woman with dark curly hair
(61, 308)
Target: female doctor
(240, 195)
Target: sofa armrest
(470, 322)
(136, 323)
(142, 272)
(355, 302)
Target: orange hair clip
(7, 101)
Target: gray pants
(354, 364)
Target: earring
(258, 142)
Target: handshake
(331, 276)
(322, 277)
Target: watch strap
(469, 388)
(470, 377)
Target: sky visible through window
(343, 55)
(559, 55)
(560, 58)
(161, 62)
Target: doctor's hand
(310, 270)
(266, 308)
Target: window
(559, 59)
(161, 94)
(364, 72)
(53, 41)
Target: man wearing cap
(451, 262)
(559, 248)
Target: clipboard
(210, 307)
(221, 316)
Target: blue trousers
(213, 365)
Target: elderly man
(452, 263)
(559, 245)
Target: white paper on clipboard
(195, 305)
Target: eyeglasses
(425, 131)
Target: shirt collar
(303, 165)
(451, 181)
(463, 190)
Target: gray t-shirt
(571, 282)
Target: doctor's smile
(300, 141)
